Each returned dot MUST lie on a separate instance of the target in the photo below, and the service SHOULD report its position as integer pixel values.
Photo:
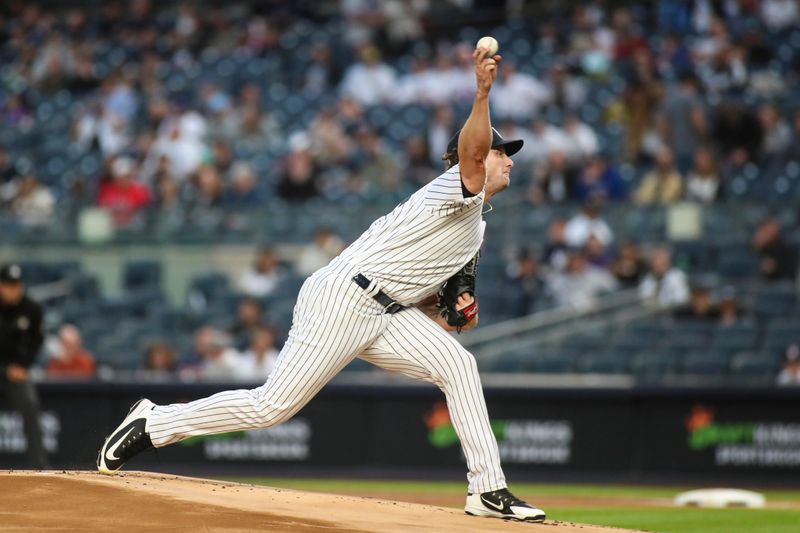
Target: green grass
(661, 519)
(450, 487)
(667, 520)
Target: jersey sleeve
(445, 195)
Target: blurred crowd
(353, 102)
(693, 92)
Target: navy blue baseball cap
(512, 146)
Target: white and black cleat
(129, 439)
(502, 504)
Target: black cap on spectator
(11, 273)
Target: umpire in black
(21, 337)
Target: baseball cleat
(129, 439)
(502, 504)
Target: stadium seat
(652, 365)
(753, 364)
(141, 274)
(610, 362)
(704, 363)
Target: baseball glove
(461, 282)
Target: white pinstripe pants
(335, 321)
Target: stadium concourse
(150, 130)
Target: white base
(720, 498)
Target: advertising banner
(636, 432)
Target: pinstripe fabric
(417, 347)
(408, 254)
(422, 242)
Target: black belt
(389, 305)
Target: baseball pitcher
(369, 303)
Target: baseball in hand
(489, 43)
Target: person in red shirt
(122, 194)
(71, 358)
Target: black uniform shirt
(21, 334)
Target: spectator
(776, 131)
(7, 172)
(555, 251)
(703, 181)
(370, 81)
(71, 359)
(418, 168)
(790, 373)
(682, 119)
(323, 74)
(298, 181)
(315, 255)
(554, 180)
(599, 182)
(580, 284)
(588, 223)
(663, 185)
(34, 204)
(700, 307)
(516, 95)
(583, 140)
(123, 195)
(664, 285)
(219, 360)
(730, 312)
(243, 190)
(181, 141)
(15, 113)
(566, 91)
(526, 285)
(249, 316)
(737, 133)
(160, 359)
(544, 140)
(262, 279)
(597, 253)
(260, 357)
(629, 267)
(777, 260)
(780, 14)
(440, 130)
(378, 169)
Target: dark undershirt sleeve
(465, 191)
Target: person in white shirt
(588, 223)
(790, 373)
(259, 359)
(370, 81)
(517, 96)
(583, 140)
(262, 279)
(702, 183)
(317, 254)
(664, 285)
(580, 284)
(219, 359)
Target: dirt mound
(136, 501)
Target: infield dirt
(87, 502)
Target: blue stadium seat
(652, 365)
(141, 274)
(704, 363)
(754, 364)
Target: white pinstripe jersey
(413, 250)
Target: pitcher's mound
(137, 501)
